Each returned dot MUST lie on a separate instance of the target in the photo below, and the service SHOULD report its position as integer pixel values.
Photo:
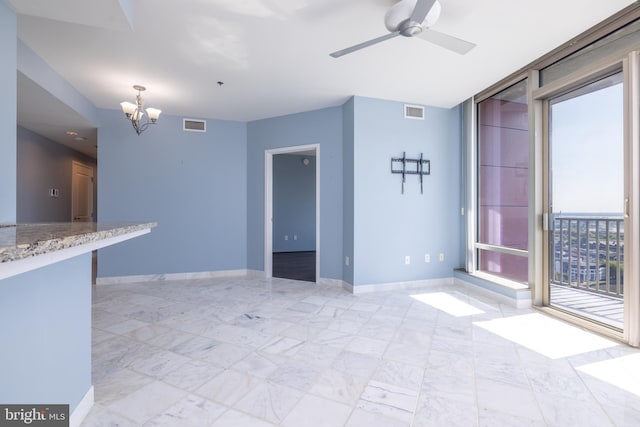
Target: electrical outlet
(346, 260)
(427, 258)
(407, 260)
(441, 256)
(286, 237)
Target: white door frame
(268, 203)
(75, 166)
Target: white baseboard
(255, 274)
(522, 301)
(114, 280)
(79, 414)
(331, 282)
(347, 287)
(392, 286)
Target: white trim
(347, 287)
(500, 281)
(268, 214)
(116, 280)
(470, 107)
(502, 249)
(631, 331)
(75, 166)
(268, 203)
(13, 268)
(332, 282)
(255, 274)
(82, 409)
(536, 235)
(393, 286)
(585, 75)
(519, 303)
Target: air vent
(193, 125)
(414, 112)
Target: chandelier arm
(135, 127)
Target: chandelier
(134, 112)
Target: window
(503, 181)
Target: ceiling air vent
(193, 125)
(414, 112)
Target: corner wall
(388, 225)
(323, 127)
(348, 183)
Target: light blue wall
(45, 164)
(46, 334)
(294, 203)
(323, 127)
(36, 69)
(193, 184)
(347, 196)
(8, 84)
(388, 225)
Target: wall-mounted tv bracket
(405, 166)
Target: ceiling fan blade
(362, 45)
(446, 41)
(421, 10)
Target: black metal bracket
(405, 166)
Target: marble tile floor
(273, 352)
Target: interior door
(586, 170)
(82, 192)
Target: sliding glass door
(585, 222)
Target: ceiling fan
(412, 18)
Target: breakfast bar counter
(45, 311)
(24, 247)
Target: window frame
(473, 187)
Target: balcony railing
(588, 253)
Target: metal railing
(588, 253)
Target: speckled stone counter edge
(45, 238)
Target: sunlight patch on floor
(447, 303)
(622, 372)
(547, 336)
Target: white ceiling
(273, 55)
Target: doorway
(81, 192)
(292, 212)
(586, 225)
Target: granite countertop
(27, 240)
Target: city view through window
(586, 207)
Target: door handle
(626, 207)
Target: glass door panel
(503, 184)
(586, 177)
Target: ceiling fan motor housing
(395, 17)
